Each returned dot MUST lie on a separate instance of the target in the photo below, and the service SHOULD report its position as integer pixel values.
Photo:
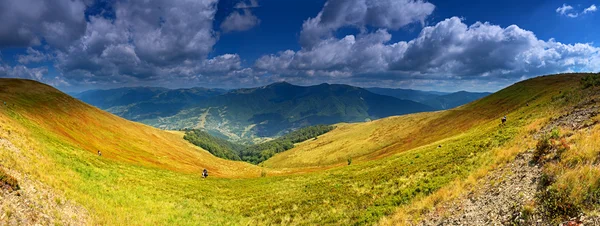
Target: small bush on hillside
(8, 182)
(542, 148)
(557, 204)
(555, 134)
(590, 81)
(550, 147)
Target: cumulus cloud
(241, 19)
(36, 73)
(590, 9)
(33, 56)
(28, 22)
(482, 49)
(343, 57)
(450, 49)
(567, 10)
(155, 41)
(564, 9)
(21, 71)
(237, 21)
(389, 14)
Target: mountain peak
(280, 83)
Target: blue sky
(276, 34)
(429, 45)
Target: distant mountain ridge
(250, 113)
(140, 103)
(437, 100)
(453, 100)
(406, 94)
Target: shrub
(552, 144)
(590, 81)
(557, 204)
(542, 148)
(562, 146)
(555, 134)
(7, 181)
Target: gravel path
(506, 196)
(499, 200)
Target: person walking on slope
(204, 173)
(503, 120)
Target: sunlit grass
(147, 176)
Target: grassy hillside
(148, 177)
(372, 140)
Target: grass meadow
(401, 166)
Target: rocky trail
(507, 195)
(499, 201)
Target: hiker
(99, 153)
(204, 173)
(503, 120)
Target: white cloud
(37, 73)
(590, 9)
(241, 19)
(156, 41)
(21, 71)
(564, 9)
(567, 10)
(389, 14)
(33, 56)
(28, 22)
(450, 49)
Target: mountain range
(437, 100)
(251, 114)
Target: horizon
(254, 87)
(408, 44)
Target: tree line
(256, 153)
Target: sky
(439, 45)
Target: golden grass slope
(352, 141)
(92, 130)
(385, 137)
(151, 177)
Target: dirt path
(506, 196)
(499, 201)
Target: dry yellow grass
(389, 136)
(353, 141)
(92, 130)
(147, 176)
